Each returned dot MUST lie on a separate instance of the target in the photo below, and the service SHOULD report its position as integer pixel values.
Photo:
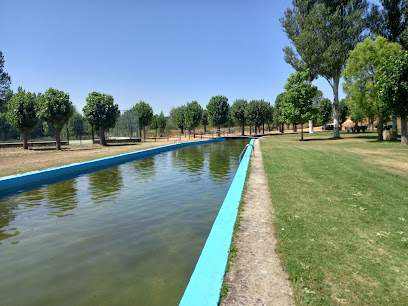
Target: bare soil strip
(256, 276)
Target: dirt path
(256, 277)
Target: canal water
(127, 235)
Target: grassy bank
(341, 217)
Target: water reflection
(145, 168)
(219, 162)
(61, 198)
(105, 183)
(191, 158)
(7, 215)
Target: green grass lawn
(341, 217)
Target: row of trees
(324, 34)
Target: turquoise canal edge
(204, 287)
(12, 184)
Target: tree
(391, 21)
(154, 125)
(22, 113)
(76, 124)
(101, 113)
(180, 119)
(55, 109)
(297, 104)
(5, 82)
(204, 120)
(218, 110)
(253, 113)
(343, 111)
(145, 115)
(238, 111)
(277, 113)
(362, 64)
(391, 81)
(325, 111)
(192, 114)
(161, 122)
(323, 32)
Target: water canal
(130, 234)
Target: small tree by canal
(193, 114)
(55, 109)
(101, 113)
(22, 113)
(145, 115)
(218, 111)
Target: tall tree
(323, 32)
(22, 113)
(362, 64)
(193, 114)
(297, 104)
(238, 111)
(145, 115)
(101, 113)
(391, 81)
(5, 82)
(391, 21)
(55, 109)
(218, 111)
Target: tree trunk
(219, 130)
(25, 139)
(243, 130)
(336, 131)
(229, 128)
(144, 133)
(205, 128)
(294, 128)
(311, 127)
(194, 132)
(102, 140)
(301, 131)
(380, 128)
(283, 128)
(404, 132)
(250, 130)
(256, 129)
(58, 139)
(263, 128)
(394, 123)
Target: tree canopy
(22, 113)
(238, 111)
(391, 21)
(145, 115)
(391, 81)
(297, 104)
(55, 109)
(193, 114)
(362, 64)
(5, 82)
(101, 113)
(218, 110)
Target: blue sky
(165, 53)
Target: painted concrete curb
(204, 287)
(11, 184)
